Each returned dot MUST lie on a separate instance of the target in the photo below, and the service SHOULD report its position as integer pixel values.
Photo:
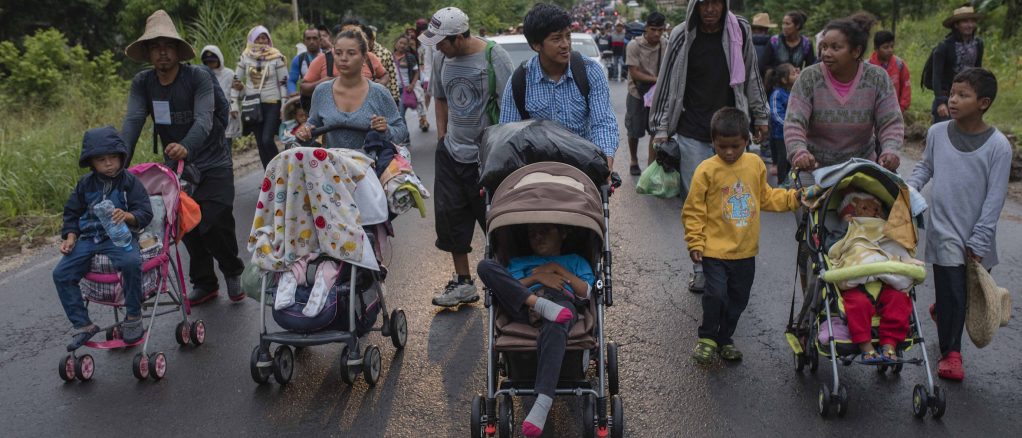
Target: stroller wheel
(66, 369)
(283, 364)
(398, 328)
(182, 333)
(140, 366)
(939, 402)
(506, 425)
(882, 369)
(800, 362)
(612, 369)
(588, 416)
(823, 400)
(617, 417)
(85, 368)
(158, 366)
(260, 365)
(476, 422)
(896, 368)
(371, 365)
(348, 372)
(198, 333)
(842, 401)
(920, 401)
(813, 358)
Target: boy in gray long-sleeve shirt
(968, 162)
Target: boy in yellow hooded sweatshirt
(721, 217)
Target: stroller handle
(316, 132)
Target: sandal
(83, 336)
(730, 353)
(872, 358)
(889, 354)
(705, 349)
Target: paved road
(425, 391)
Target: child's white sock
(552, 311)
(533, 424)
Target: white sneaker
(456, 293)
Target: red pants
(894, 307)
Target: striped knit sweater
(835, 129)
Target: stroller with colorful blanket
(162, 283)
(845, 252)
(321, 219)
(537, 172)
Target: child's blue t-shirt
(521, 267)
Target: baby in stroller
(84, 234)
(864, 243)
(542, 288)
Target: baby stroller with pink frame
(162, 285)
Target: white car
(519, 49)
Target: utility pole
(294, 9)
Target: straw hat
(762, 19)
(159, 25)
(963, 13)
(988, 306)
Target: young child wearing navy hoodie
(83, 234)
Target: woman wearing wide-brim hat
(960, 50)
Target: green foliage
(287, 35)
(48, 69)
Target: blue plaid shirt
(563, 103)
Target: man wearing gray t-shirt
(460, 85)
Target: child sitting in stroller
(294, 119)
(84, 236)
(864, 243)
(542, 287)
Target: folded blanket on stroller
(866, 244)
(307, 205)
(404, 189)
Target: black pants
(780, 157)
(553, 337)
(949, 282)
(728, 285)
(458, 206)
(265, 131)
(213, 239)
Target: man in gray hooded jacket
(710, 64)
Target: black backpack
(927, 77)
(578, 73)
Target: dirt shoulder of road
(14, 251)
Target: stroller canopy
(547, 192)
(508, 147)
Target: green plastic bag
(657, 182)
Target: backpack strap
(330, 64)
(491, 77)
(518, 90)
(579, 75)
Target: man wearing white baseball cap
(468, 81)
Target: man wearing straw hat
(960, 50)
(761, 27)
(189, 113)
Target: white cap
(445, 22)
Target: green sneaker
(705, 349)
(730, 353)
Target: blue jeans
(693, 152)
(73, 267)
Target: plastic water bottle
(118, 232)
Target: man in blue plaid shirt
(551, 92)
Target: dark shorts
(457, 202)
(636, 117)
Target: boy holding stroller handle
(721, 217)
(963, 212)
(84, 235)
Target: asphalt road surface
(425, 391)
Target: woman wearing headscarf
(262, 72)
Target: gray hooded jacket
(670, 91)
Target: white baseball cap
(444, 23)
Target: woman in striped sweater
(843, 108)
